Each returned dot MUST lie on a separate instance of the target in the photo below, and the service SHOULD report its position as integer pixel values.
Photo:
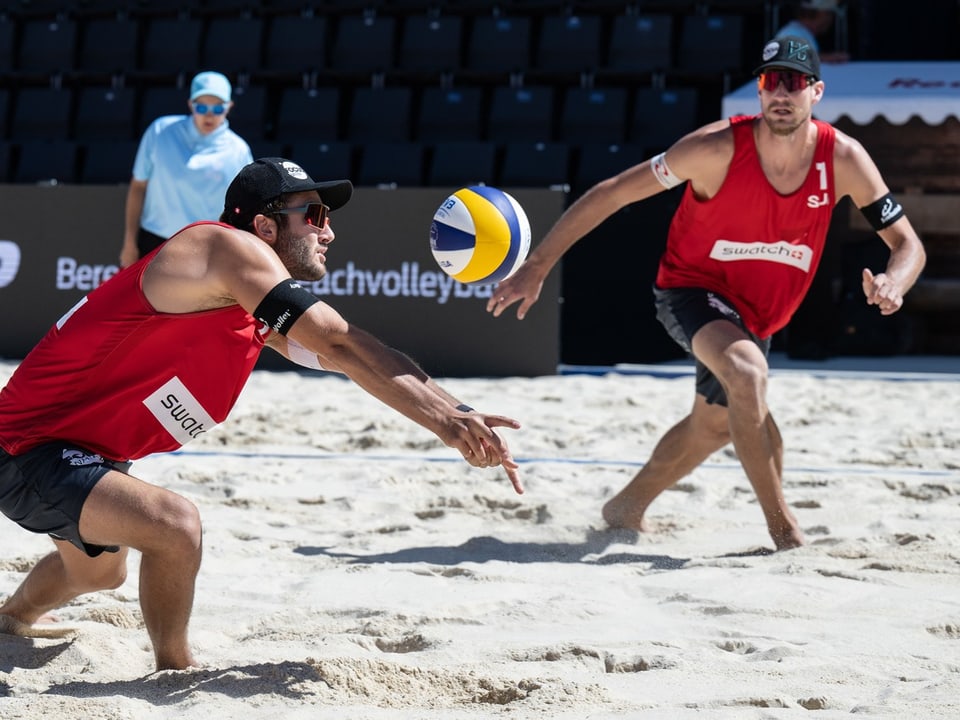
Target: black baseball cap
(790, 53)
(266, 179)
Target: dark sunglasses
(314, 214)
(791, 80)
(203, 108)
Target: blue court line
(671, 372)
(841, 470)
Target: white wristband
(662, 171)
(301, 356)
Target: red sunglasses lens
(792, 81)
(316, 214)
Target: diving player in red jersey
(741, 253)
(156, 356)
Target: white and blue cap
(210, 83)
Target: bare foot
(620, 514)
(177, 664)
(788, 538)
(12, 626)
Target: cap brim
(334, 193)
(784, 65)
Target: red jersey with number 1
(754, 246)
(119, 378)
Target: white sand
(356, 568)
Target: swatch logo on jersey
(180, 413)
(798, 256)
(9, 262)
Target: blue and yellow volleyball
(480, 235)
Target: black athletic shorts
(43, 490)
(683, 311)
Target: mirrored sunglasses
(314, 214)
(203, 108)
(791, 80)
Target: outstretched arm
(396, 380)
(700, 157)
(592, 208)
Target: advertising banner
(59, 242)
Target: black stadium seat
(231, 45)
(159, 101)
(308, 115)
(41, 113)
(107, 162)
(457, 163)
(661, 117)
(524, 113)
(569, 43)
(711, 44)
(364, 44)
(105, 113)
(594, 115)
(381, 114)
(171, 45)
(109, 45)
(46, 161)
(431, 44)
(499, 46)
(450, 114)
(535, 164)
(641, 44)
(296, 44)
(47, 46)
(391, 163)
(323, 159)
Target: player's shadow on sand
(288, 679)
(485, 549)
(27, 654)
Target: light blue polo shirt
(187, 173)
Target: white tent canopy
(863, 91)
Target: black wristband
(462, 407)
(882, 213)
(284, 304)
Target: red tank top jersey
(117, 377)
(749, 243)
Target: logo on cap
(295, 170)
(798, 50)
(770, 50)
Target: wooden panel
(913, 155)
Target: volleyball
(480, 235)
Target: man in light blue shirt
(815, 18)
(182, 169)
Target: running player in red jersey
(155, 357)
(741, 253)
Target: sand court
(356, 568)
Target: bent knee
(113, 578)
(745, 379)
(180, 525)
